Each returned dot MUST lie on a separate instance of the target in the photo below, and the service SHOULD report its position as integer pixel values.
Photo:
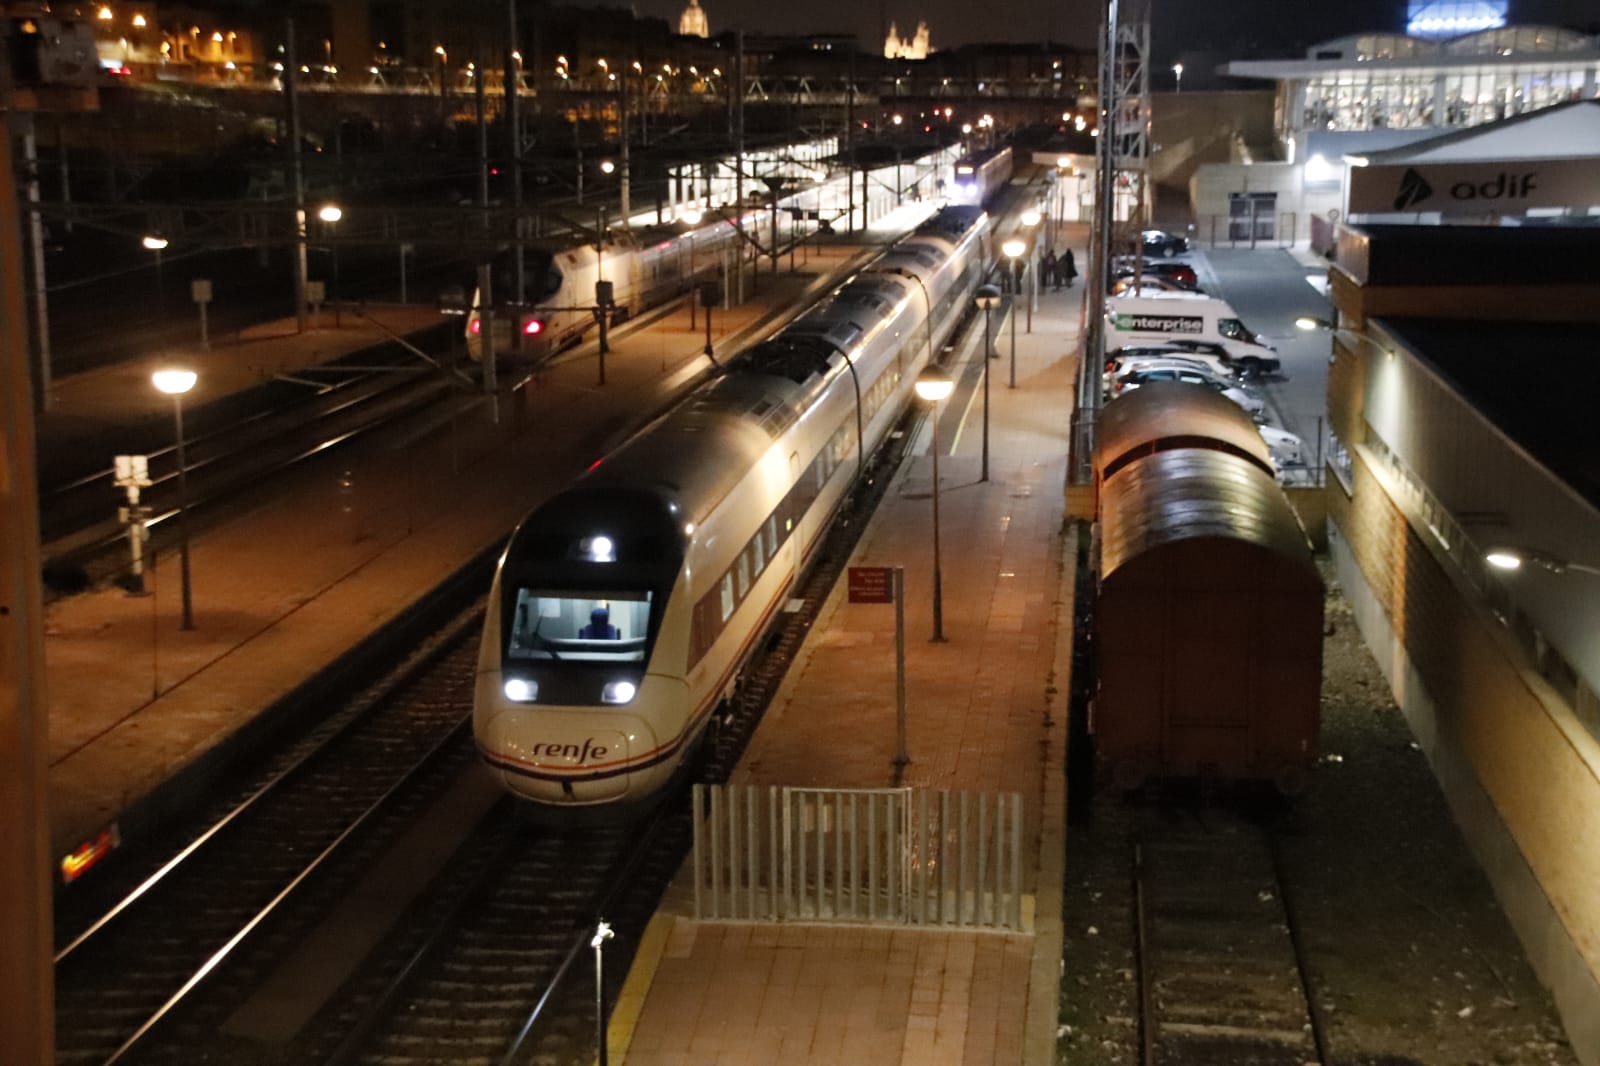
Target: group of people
(1054, 271)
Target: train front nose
(563, 757)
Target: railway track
(153, 955)
(1221, 978)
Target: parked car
(1181, 274)
(1126, 286)
(1160, 242)
(1286, 448)
(1257, 364)
(1124, 358)
(1253, 405)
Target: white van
(1188, 318)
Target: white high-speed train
(647, 266)
(624, 608)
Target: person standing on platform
(1066, 269)
(1047, 269)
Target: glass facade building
(1377, 83)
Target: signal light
(475, 327)
(532, 327)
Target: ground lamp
(330, 215)
(935, 385)
(155, 242)
(602, 933)
(986, 297)
(175, 382)
(1013, 248)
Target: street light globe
(1014, 248)
(330, 212)
(607, 167)
(1177, 68)
(691, 215)
(934, 384)
(1063, 161)
(174, 381)
(155, 242)
(966, 127)
(1031, 217)
(987, 297)
(1503, 558)
(898, 119)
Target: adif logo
(1414, 189)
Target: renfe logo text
(578, 753)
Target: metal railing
(876, 856)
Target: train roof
(1169, 414)
(1189, 494)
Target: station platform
(986, 712)
(139, 707)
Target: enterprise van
(1188, 317)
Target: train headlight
(618, 692)
(521, 690)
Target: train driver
(600, 627)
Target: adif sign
(1509, 187)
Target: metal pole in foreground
(27, 977)
(938, 584)
(602, 933)
(900, 756)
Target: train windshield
(579, 626)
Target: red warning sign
(871, 584)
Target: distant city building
(897, 47)
(692, 23)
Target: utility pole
(291, 94)
(850, 144)
(27, 970)
(738, 154)
(41, 300)
(514, 139)
(622, 80)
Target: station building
(1378, 92)
(1461, 403)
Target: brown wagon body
(1209, 616)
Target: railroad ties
(1219, 977)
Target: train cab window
(727, 596)
(579, 626)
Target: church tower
(692, 23)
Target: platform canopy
(1543, 159)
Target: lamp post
(155, 242)
(987, 297)
(175, 382)
(935, 385)
(1030, 218)
(1013, 248)
(1510, 558)
(602, 933)
(330, 214)
(1312, 324)
(1177, 76)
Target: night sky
(1199, 32)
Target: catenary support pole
(41, 300)
(297, 179)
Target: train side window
(727, 596)
(758, 555)
(772, 535)
(744, 572)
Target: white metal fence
(875, 856)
